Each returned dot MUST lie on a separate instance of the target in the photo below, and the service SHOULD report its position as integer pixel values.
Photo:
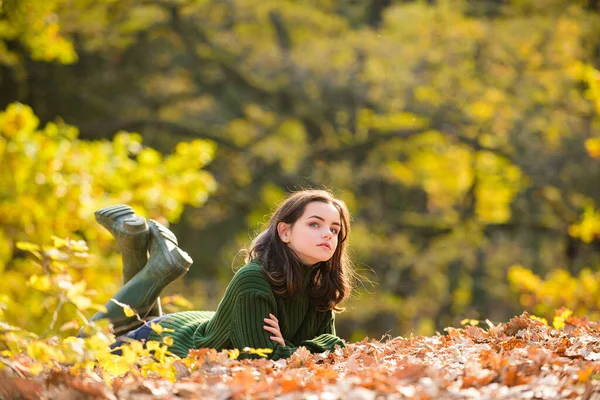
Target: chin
(317, 260)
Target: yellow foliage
(233, 354)
(35, 25)
(178, 301)
(443, 169)
(593, 147)
(559, 321)
(270, 195)
(498, 182)
(541, 319)
(90, 353)
(389, 122)
(472, 322)
(285, 143)
(54, 182)
(259, 352)
(590, 76)
(588, 228)
(558, 290)
(159, 329)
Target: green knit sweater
(239, 320)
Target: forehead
(327, 211)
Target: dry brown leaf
(522, 358)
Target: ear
(283, 230)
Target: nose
(328, 234)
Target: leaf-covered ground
(523, 358)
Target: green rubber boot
(132, 235)
(167, 263)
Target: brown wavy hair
(331, 281)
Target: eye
(334, 231)
(314, 224)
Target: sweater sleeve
(248, 326)
(326, 338)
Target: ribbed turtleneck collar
(307, 271)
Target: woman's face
(314, 236)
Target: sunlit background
(463, 135)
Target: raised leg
(131, 233)
(166, 263)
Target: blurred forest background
(463, 135)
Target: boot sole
(108, 215)
(132, 224)
(164, 232)
(178, 257)
(135, 224)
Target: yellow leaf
(30, 247)
(36, 368)
(543, 320)
(156, 327)
(168, 340)
(116, 365)
(126, 309)
(81, 302)
(233, 354)
(160, 353)
(566, 313)
(152, 345)
(40, 282)
(593, 147)
(27, 246)
(79, 247)
(258, 352)
(558, 323)
(59, 242)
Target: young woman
(296, 276)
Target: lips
(326, 245)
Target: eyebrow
(322, 219)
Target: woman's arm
(327, 324)
(248, 326)
(325, 338)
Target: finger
(273, 317)
(271, 322)
(272, 330)
(278, 340)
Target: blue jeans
(141, 334)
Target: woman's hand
(274, 329)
